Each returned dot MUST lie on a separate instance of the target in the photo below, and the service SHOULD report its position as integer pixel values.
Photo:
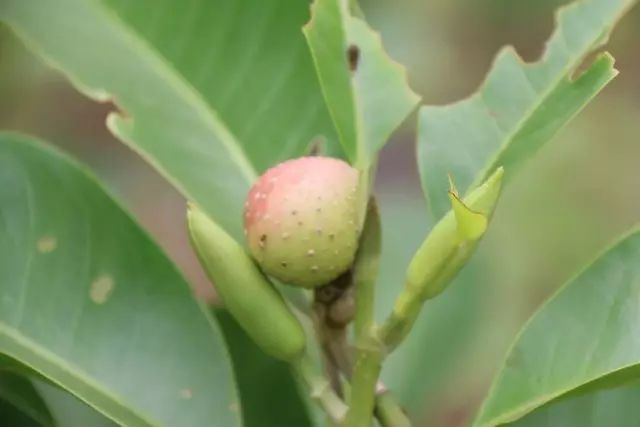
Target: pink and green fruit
(302, 220)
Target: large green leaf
(89, 301)
(17, 391)
(268, 390)
(587, 332)
(366, 91)
(605, 408)
(519, 107)
(212, 92)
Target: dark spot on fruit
(332, 236)
(294, 212)
(353, 57)
(263, 241)
(284, 264)
(300, 223)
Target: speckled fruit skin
(301, 220)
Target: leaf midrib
(509, 136)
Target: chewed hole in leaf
(587, 62)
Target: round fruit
(302, 222)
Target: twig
(369, 351)
(320, 390)
(388, 411)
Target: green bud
(245, 291)
(444, 252)
(453, 240)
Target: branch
(369, 351)
(320, 390)
(388, 411)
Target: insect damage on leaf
(353, 57)
(47, 244)
(317, 146)
(186, 393)
(101, 289)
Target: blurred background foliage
(577, 195)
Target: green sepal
(471, 225)
(453, 240)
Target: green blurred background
(575, 197)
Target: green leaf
(212, 92)
(67, 409)
(44, 403)
(17, 391)
(587, 332)
(519, 107)
(366, 91)
(88, 301)
(610, 408)
(268, 390)
(13, 417)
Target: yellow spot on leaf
(186, 393)
(101, 289)
(47, 244)
(234, 407)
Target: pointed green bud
(454, 238)
(442, 255)
(244, 290)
